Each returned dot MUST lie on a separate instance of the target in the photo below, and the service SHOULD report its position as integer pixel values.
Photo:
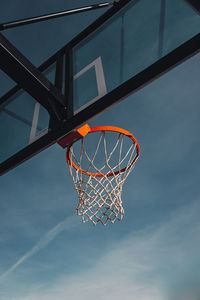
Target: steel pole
(41, 18)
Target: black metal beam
(195, 4)
(54, 15)
(16, 66)
(135, 83)
(59, 73)
(69, 82)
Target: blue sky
(153, 253)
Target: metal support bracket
(20, 69)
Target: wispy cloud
(67, 223)
(156, 264)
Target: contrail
(67, 223)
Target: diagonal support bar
(54, 15)
(18, 67)
(195, 4)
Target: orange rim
(105, 128)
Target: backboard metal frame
(68, 120)
(195, 4)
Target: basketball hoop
(99, 187)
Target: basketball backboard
(133, 43)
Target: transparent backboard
(23, 121)
(136, 37)
(132, 38)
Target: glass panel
(63, 74)
(181, 23)
(23, 120)
(81, 94)
(140, 34)
(50, 73)
(6, 83)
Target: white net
(100, 192)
